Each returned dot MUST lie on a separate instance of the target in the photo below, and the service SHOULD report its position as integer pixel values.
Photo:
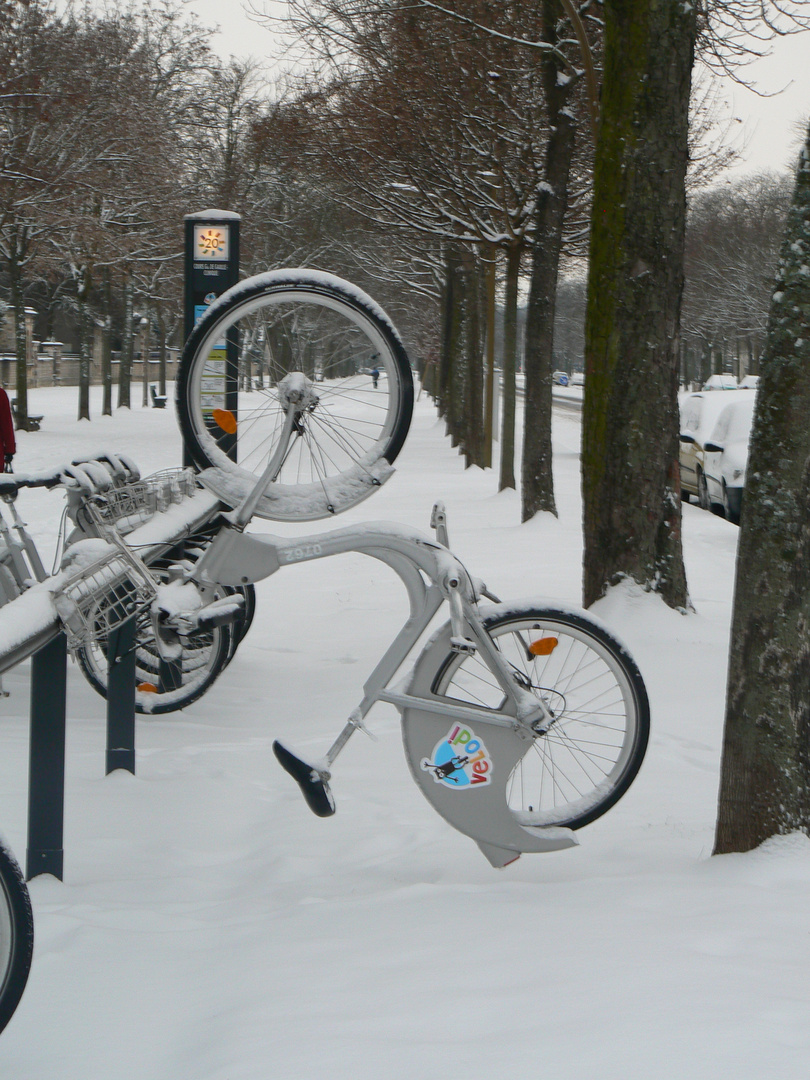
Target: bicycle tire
(336, 444)
(16, 935)
(204, 657)
(190, 550)
(200, 667)
(591, 754)
(244, 621)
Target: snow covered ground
(209, 927)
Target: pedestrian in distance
(8, 443)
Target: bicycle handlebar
(87, 476)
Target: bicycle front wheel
(16, 935)
(303, 373)
(587, 758)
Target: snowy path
(210, 928)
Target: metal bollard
(46, 772)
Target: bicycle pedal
(314, 788)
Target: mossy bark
(765, 774)
(630, 477)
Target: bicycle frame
(235, 558)
(432, 575)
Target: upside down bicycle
(521, 722)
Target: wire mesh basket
(99, 597)
(125, 508)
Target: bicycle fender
(462, 767)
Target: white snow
(209, 927)
(213, 215)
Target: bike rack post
(46, 774)
(121, 697)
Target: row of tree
(113, 126)
(432, 156)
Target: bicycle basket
(125, 508)
(102, 595)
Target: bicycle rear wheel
(165, 688)
(572, 773)
(302, 370)
(16, 935)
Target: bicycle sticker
(460, 760)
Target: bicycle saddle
(313, 783)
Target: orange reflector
(147, 688)
(225, 419)
(544, 646)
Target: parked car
(699, 414)
(726, 456)
(577, 379)
(720, 382)
(560, 378)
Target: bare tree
(432, 124)
(41, 107)
(565, 108)
(732, 247)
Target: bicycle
(99, 586)
(105, 490)
(16, 935)
(547, 709)
(521, 723)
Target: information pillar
(212, 267)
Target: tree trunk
(85, 346)
(452, 385)
(630, 475)
(765, 773)
(125, 364)
(473, 404)
(509, 367)
(143, 338)
(20, 343)
(489, 392)
(84, 358)
(450, 329)
(106, 350)
(537, 481)
(161, 324)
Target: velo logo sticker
(460, 760)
